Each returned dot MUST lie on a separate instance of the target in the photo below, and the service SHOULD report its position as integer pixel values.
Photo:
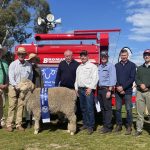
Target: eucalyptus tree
(18, 20)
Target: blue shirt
(107, 74)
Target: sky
(131, 16)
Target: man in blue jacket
(125, 71)
(66, 73)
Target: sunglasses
(146, 54)
(23, 54)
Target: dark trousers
(128, 106)
(87, 108)
(106, 108)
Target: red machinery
(51, 54)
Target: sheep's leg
(36, 127)
(37, 122)
(72, 124)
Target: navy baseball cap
(104, 53)
(84, 53)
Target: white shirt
(86, 76)
(19, 71)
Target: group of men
(84, 78)
(107, 78)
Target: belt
(103, 87)
(82, 88)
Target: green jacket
(143, 76)
(3, 72)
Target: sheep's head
(25, 86)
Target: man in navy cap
(143, 91)
(107, 80)
(85, 85)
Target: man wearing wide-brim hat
(37, 79)
(37, 74)
(3, 80)
(18, 70)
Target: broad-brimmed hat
(33, 55)
(3, 49)
(21, 50)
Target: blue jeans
(128, 106)
(87, 108)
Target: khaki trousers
(142, 101)
(15, 104)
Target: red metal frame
(53, 53)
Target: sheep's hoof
(36, 132)
(68, 131)
(71, 133)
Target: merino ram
(60, 99)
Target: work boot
(20, 128)
(83, 128)
(138, 133)
(118, 128)
(128, 130)
(90, 131)
(101, 129)
(9, 129)
(106, 130)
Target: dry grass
(58, 139)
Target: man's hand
(108, 94)
(77, 93)
(119, 88)
(3, 86)
(143, 87)
(122, 92)
(88, 91)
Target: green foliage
(17, 15)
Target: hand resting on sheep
(60, 99)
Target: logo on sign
(47, 73)
(44, 109)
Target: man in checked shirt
(85, 84)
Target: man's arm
(94, 78)
(11, 74)
(113, 78)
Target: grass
(53, 137)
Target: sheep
(60, 99)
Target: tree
(17, 15)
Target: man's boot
(118, 128)
(128, 130)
